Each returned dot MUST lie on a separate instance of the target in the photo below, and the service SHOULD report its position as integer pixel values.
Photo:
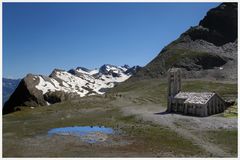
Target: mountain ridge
(61, 85)
(197, 49)
(8, 87)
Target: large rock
(25, 94)
(58, 96)
(208, 50)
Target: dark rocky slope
(208, 50)
(25, 94)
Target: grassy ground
(153, 140)
(183, 53)
(25, 132)
(160, 139)
(231, 112)
(156, 90)
(227, 139)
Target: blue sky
(38, 37)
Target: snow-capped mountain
(61, 85)
(82, 81)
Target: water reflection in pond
(89, 134)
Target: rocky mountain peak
(208, 50)
(126, 66)
(219, 26)
(133, 70)
(82, 69)
(112, 70)
(55, 70)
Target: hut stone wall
(191, 103)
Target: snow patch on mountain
(44, 86)
(82, 81)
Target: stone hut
(191, 103)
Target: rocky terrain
(208, 50)
(61, 85)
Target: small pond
(89, 134)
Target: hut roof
(195, 97)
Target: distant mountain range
(61, 85)
(9, 85)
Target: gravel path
(185, 126)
